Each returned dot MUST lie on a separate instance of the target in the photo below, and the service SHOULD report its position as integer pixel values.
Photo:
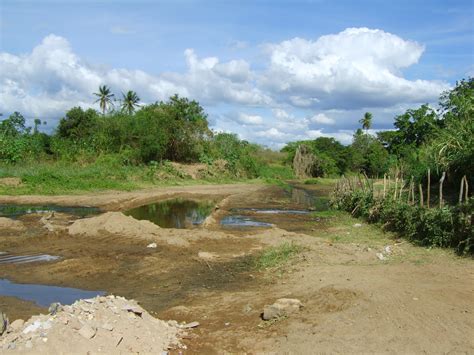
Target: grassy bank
(51, 178)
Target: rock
(189, 325)
(152, 245)
(380, 256)
(282, 307)
(32, 327)
(133, 309)
(17, 324)
(108, 326)
(87, 331)
(54, 308)
(3, 322)
(357, 225)
(388, 250)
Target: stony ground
(98, 325)
(361, 290)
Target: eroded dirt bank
(415, 301)
(119, 200)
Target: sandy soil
(353, 302)
(119, 200)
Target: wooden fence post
(466, 190)
(441, 181)
(396, 186)
(429, 188)
(402, 185)
(461, 189)
(421, 194)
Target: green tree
(366, 121)
(368, 154)
(104, 97)
(452, 147)
(130, 101)
(77, 124)
(14, 125)
(37, 124)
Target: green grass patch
(275, 257)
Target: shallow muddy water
(270, 211)
(308, 198)
(44, 295)
(14, 211)
(237, 221)
(6, 258)
(176, 213)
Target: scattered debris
(357, 225)
(282, 307)
(189, 325)
(152, 245)
(17, 324)
(87, 331)
(380, 256)
(388, 250)
(54, 308)
(3, 322)
(100, 322)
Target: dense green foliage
(422, 139)
(450, 226)
(116, 148)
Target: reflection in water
(44, 295)
(13, 211)
(309, 199)
(177, 213)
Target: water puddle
(14, 211)
(6, 258)
(176, 213)
(44, 295)
(270, 211)
(242, 221)
(309, 199)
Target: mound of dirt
(117, 224)
(114, 223)
(11, 225)
(102, 324)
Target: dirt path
(415, 301)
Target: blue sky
(271, 71)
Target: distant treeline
(175, 130)
(441, 140)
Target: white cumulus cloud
(251, 120)
(358, 67)
(321, 118)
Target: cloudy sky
(271, 71)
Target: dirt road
(414, 301)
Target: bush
(450, 226)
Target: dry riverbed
(362, 291)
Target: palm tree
(130, 101)
(105, 97)
(366, 121)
